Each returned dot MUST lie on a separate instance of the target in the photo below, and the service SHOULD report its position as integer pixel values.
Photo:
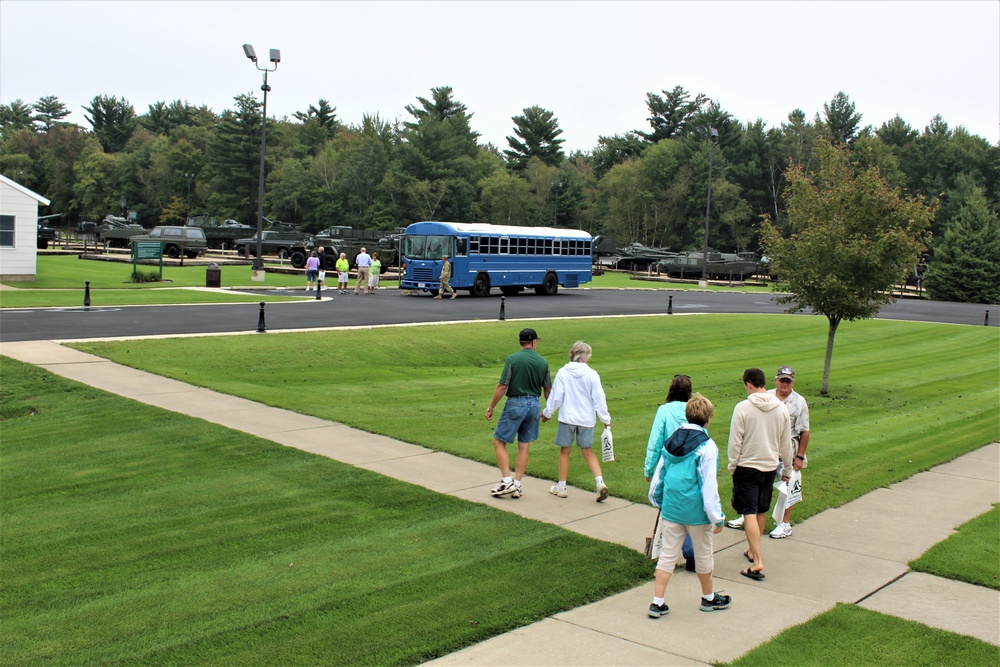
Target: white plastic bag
(607, 445)
(782, 503)
(794, 488)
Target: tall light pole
(713, 139)
(275, 57)
(189, 175)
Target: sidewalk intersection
(857, 553)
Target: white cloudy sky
(591, 63)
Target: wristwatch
(800, 458)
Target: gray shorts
(584, 435)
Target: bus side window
(460, 248)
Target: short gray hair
(580, 352)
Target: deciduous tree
(852, 238)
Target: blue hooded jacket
(679, 491)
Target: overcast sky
(590, 63)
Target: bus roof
(435, 227)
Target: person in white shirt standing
(798, 410)
(362, 261)
(577, 394)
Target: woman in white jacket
(577, 394)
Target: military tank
(721, 265)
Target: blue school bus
(485, 256)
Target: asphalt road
(391, 307)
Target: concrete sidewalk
(857, 553)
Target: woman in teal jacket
(668, 417)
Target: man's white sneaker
(781, 531)
(736, 523)
(503, 489)
(602, 493)
(556, 491)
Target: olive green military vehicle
(347, 240)
(116, 231)
(177, 240)
(279, 240)
(221, 234)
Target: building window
(6, 231)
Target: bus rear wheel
(549, 286)
(481, 285)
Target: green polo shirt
(525, 373)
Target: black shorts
(752, 490)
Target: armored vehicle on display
(347, 240)
(177, 240)
(220, 234)
(116, 231)
(278, 240)
(721, 265)
(46, 235)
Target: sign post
(147, 250)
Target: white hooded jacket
(577, 394)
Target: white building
(18, 230)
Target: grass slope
(133, 535)
(972, 554)
(905, 396)
(850, 635)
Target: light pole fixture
(713, 139)
(275, 57)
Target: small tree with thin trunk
(852, 238)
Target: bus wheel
(549, 286)
(481, 285)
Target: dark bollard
(86, 297)
(670, 306)
(502, 316)
(317, 290)
(260, 321)
(986, 322)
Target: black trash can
(213, 275)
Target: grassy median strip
(905, 396)
(850, 635)
(133, 535)
(971, 555)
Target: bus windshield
(426, 247)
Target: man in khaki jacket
(760, 433)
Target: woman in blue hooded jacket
(668, 417)
(687, 494)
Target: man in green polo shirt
(525, 376)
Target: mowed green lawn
(904, 396)
(61, 282)
(132, 535)
(972, 554)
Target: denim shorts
(519, 420)
(312, 274)
(584, 435)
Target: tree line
(646, 185)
